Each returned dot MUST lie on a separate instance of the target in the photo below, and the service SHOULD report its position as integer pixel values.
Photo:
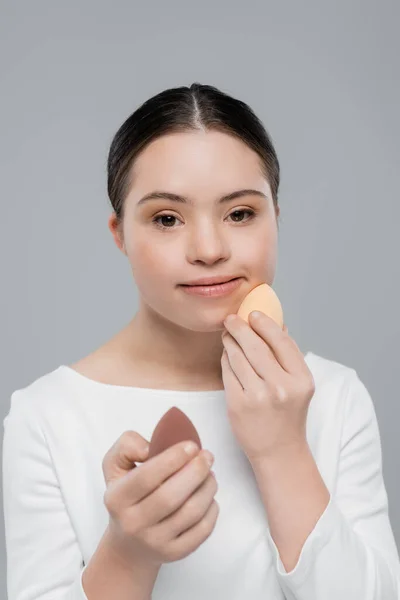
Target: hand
(171, 494)
(268, 386)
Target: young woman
(296, 505)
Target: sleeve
(43, 557)
(351, 553)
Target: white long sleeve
(60, 427)
(43, 557)
(351, 552)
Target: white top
(60, 427)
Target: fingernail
(209, 458)
(190, 448)
(229, 318)
(255, 314)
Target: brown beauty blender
(172, 428)
(264, 299)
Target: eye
(242, 210)
(156, 219)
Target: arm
(43, 555)
(294, 495)
(339, 546)
(106, 576)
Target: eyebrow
(156, 195)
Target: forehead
(205, 160)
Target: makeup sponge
(172, 428)
(264, 299)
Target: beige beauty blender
(172, 428)
(264, 299)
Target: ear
(116, 231)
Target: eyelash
(252, 213)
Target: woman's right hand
(163, 510)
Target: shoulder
(48, 392)
(339, 391)
(328, 373)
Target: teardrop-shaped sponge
(264, 299)
(172, 428)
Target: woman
(297, 507)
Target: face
(169, 243)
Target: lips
(213, 291)
(210, 284)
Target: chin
(208, 326)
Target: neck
(183, 354)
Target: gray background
(323, 77)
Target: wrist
(281, 453)
(112, 574)
(120, 555)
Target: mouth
(215, 290)
(209, 284)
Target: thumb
(129, 448)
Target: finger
(190, 513)
(260, 361)
(174, 493)
(138, 484)
(285, 350)
(129, 448)
(229, 379)
(188, 541)
(244, 372)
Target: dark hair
(184, 109)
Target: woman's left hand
(268, 386)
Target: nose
(207, 245)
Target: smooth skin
(164, 510)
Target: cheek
(150, 263)
(261, 248)
(260, 255)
